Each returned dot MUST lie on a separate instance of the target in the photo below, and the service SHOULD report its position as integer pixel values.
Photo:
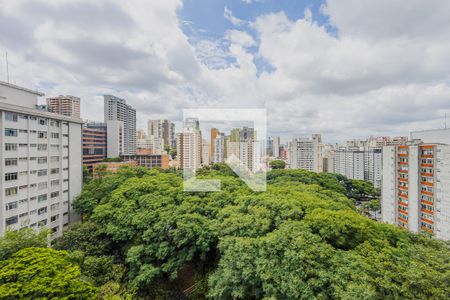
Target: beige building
(64, 105)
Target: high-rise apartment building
(64, 105)
(306, 154)
(219, 149)
(214, 135)
(116, 109)
(359, 163)
(416, 188)
(163, 129)
(114, 138)
(94, 137)
(206, 148)
(189, 146)
(41, 166)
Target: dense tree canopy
(300, 239)
(42, 273)
(277, 164)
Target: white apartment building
(163, 129)
(359, 163)
(153, 143)
(189, 146)
(219, 149)
(116, 109)
(189, 149)
(306, 153)
(416, 188)
(206, 147)
(114, 138)
(349, 162)
(41, 162)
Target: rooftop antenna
(7, 68)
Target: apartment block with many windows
(416, 188)
(40, 162)
(94, 143)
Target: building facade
(64, 105)
(149, 161)
(416, 188)
(306, 154)
(116, 109)
(163, 129)
(94, 137)
(40, 163)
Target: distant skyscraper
(64, 105)
(205, 153)
(189, 146)
(163, 129)
(116, 109)
(214, 134)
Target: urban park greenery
(143, 237)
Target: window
(55, 135)
(23, 215)
(42, 223)
(42, 122)
(11, 220)
(10, 132)
(10, 176)
(25, 117)
(54, 194)
(11, 116)
(42, 134)
(54, 147)
(54, 206)
(54, 171)
(42, 172)
(42, 210)
(33, 145)
(10, 147)
(54, 123)
(23, 201)
(54, 159)
(23, 145)
(11, 191)
(42, 185)
(23, 131)
(42, 160)
(54, 218)
(42, 198)
(54, 182)
(42, 147)
(11, 205)
(23, 187)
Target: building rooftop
(37, 93)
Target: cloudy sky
(344, 68)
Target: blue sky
(207, 16)
(205, 20)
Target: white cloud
(386, 70)
(228, 14)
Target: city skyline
(313, 65)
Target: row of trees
(144, 237)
